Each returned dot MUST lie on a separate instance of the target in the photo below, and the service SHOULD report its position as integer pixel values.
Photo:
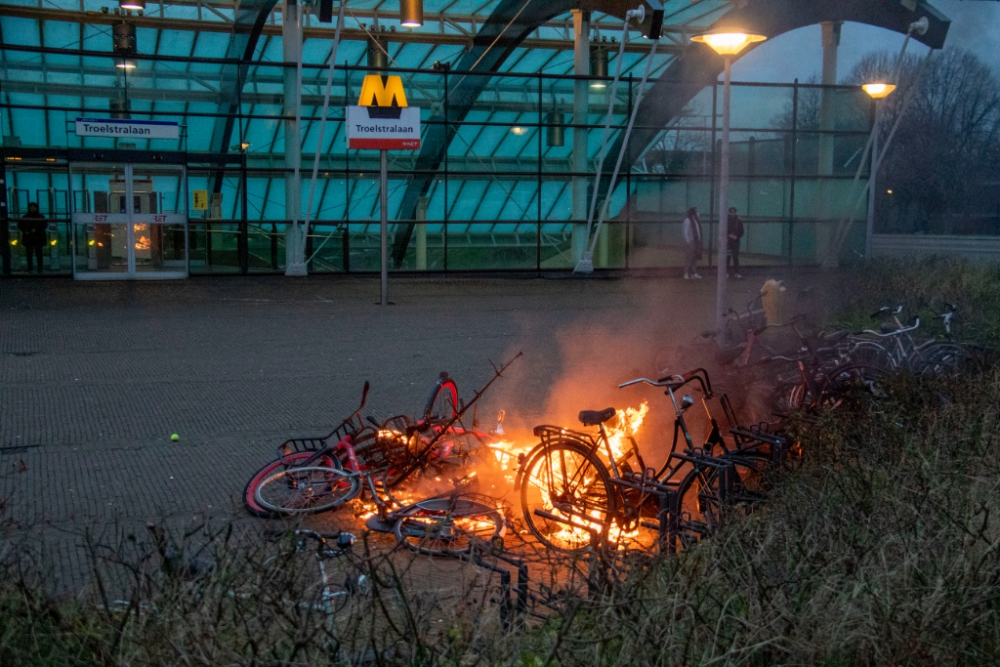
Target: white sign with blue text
(133, 129)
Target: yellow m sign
(382, 91)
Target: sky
(975, 26)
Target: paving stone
(95, 377)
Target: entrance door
(129, 221)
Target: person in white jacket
(692, 244)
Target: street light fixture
(727, 43)
(877, 91)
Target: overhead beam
(270, 29)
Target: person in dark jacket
(33, 227)
(735, 231)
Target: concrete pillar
(825, 209)
(421, 234)
(291, 52)
(581, 104)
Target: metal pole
(581, 108)
(870, 224)
(720, 289)
(383, 189)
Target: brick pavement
(94, 377)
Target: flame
(629, 422)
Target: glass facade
(499, 199)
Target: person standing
(33, 227)
(692, 244)
(735, 231)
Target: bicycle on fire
(393, 450)
(579, 490)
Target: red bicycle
(314, 474)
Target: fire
(619, 436)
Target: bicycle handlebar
(677, 381)
(885, 310)
(669, 381)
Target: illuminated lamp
(599, 65)
(728, 42)
(877, 91)
(411, 13)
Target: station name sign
(383, 120)
(135, 129)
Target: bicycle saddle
(595, 417)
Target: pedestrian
(32, 226)
(735, 231)
(692, 244)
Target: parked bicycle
(579, 490)
(333, 595)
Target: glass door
(129, 221)
(159, 221)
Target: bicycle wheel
(307, 490)
(566, 480)
(938, 358)
(870, 353)
(443, 402)
(250, 490)
(721, 492)
(853, 383)
(449, 526)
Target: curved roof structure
(217, 66)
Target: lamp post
(727, 43)
(876, 91)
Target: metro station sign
(383, 120)
(132, 129)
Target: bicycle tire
(443, 402)
(307, 490)
(870, 353)
(250, 503)
(449, 526)
(722, 492)
(598, 500)
(939, 358)
(853, 382)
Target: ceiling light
(598, 65)
(519, 130)
(133, 5)
(411, 13)
(123, 38)
(125, 64)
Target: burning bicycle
(396, 449)
(580, 490)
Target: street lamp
(877, 91)
(727, 43)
